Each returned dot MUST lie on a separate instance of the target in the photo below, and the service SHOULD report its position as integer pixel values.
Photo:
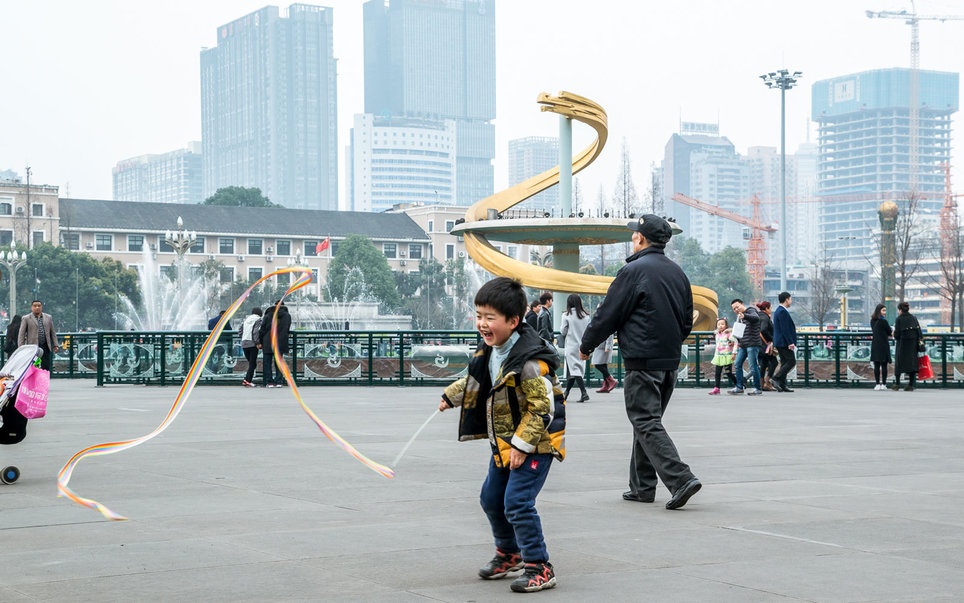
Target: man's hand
(793, 347)
(583, 356)
(443, 406)
(516, 458)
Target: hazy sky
(86, 84)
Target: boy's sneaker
(715, 391)
(538, 576)
(755, 392)
(247, 383)
(735, 391)
(501, 565)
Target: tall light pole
(296, 260)
(784, 80)
(12, 262)
(180, 241)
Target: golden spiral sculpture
(479, 227)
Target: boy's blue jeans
(753, 353)
(509, 501)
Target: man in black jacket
(650, 307)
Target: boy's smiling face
(493, 326)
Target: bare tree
(625, 198)
(950, 281)
(823, 289)
(907, 243)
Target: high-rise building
(173, 177)
(435, 59)
(399, 161)
(864, 151)
(700, 163)
(530, 157)
(268, 107)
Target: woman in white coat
(574, 322)
(600, 361)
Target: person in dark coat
(284, 329)
(768, 362)
(264, 342)
(880, 345)
(908, 335)
(13, 331)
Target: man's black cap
(655, 229)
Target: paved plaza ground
(819, 495)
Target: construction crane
(756, 249)
(913, 19)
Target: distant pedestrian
(785, 340)
(13, 332)
(600, 361)
(284, 331)
(250, 331)
(574, 322)
(747, 320)
(267, 350)
(38, 328)
(722, 361)
(880, 346)
(532, 316)
(909, 338)
(545, 328)
(768, 358)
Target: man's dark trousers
(788, 360)
(647, 394)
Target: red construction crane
(756, 248)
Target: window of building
(227, 274)
(71, 241)
(390, 250)
(135, 242)
(450, 252)
(311, 248)
(415, 251)
(431, 225)
(334, 247)
(226, 245)
(37, 210)
(38, 237)
(6, 209)
(449, 225)
(282, 247)
(103, 242)
(255, 246)
(6, 237)
(513, 252)
(254, 274)
(198, 246)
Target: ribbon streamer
(204, 354)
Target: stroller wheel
(9, 475)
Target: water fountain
(168, 305)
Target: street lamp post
(784, 80)
(12, 261)
(297, 260)
(180, 241)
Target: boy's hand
(516, 458)
(443, 406)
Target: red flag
(323, 245)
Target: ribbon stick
(409, 443)
(190, 380)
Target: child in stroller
(13, 428)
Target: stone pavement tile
(305, 580)
(849, 576)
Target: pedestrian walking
(785, 340)
(650, 306)
(768, 355)
(724, 345)
(250, 332)
(38, 328)
(910, 340)
(600, 361)
(747, 321)
(574, 322)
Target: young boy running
(512, 397)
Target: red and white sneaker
(538, 576)
(501, 565)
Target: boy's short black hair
(737, 300)
(505, 295)
(784, 296)
(546, 296)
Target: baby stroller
(13, 425)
